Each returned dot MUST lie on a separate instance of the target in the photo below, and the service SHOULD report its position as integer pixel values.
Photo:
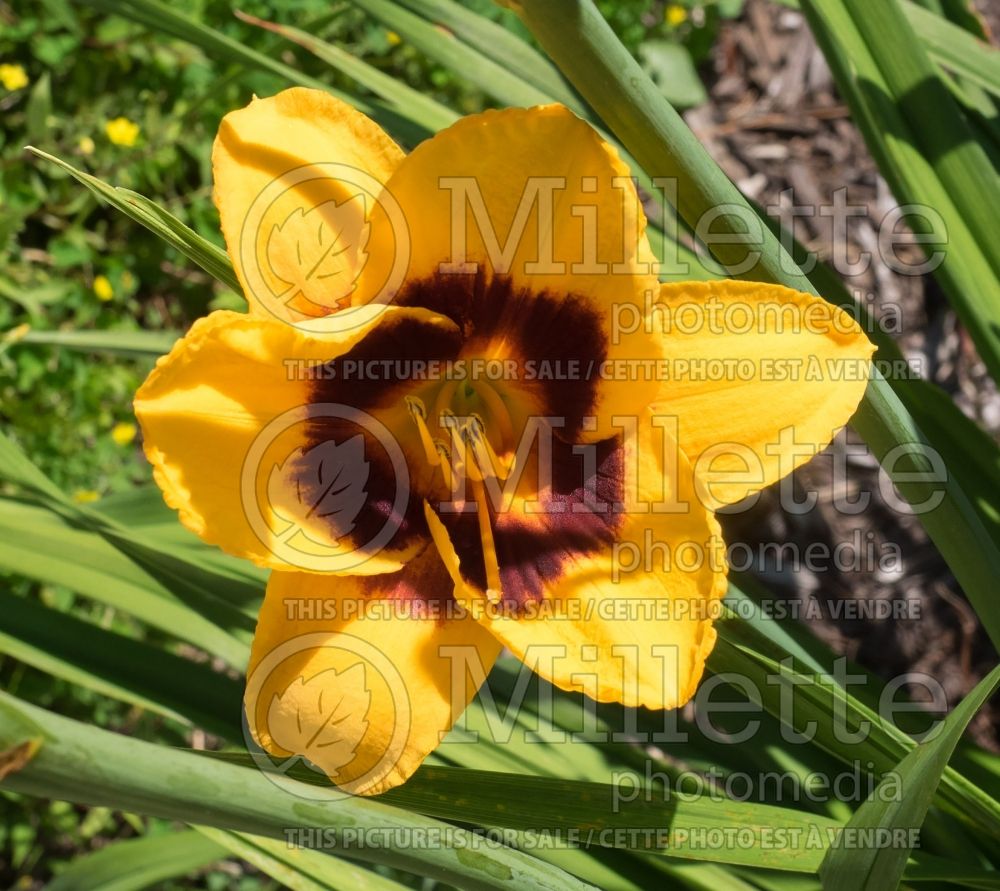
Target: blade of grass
(138, 863)
(428, 111)
(160, 222)
(851, 867)
(297, 869)
(120, 667)
(136, 344)
(84, 764)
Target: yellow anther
(498, 414)
(487, 459)
(471, 433)
(419, 414)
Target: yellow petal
(295, 175)
(226, 416)
(761, 378)
(362, 676)
(626, 618)
(534, 195)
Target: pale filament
(475, 462)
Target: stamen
(489, 462)
(444, 459)
(498, 413)
(470, 433)
(493, 587)
(419, 414)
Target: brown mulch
(775, 123)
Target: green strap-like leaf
(924, 149)
(118, 666)
(139, 862)
(498, 44)
(955, 48)
(817, 698)
(495, 79)
(299, 869)
(38, 544)
(159, 221)
(900, 812)
(80, 763)
(426, 110)
(141, 344)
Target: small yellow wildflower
(17, 333)
(128, 280)
(86, 145)
(122, 131)
(675, 14)
(13, 77)
(103, 289)
(393, 38)
(123, 433)
(85, 496)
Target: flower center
(469, 437)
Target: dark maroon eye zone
(557, 341)
(554, 345)
(578, 516)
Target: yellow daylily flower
(433, 431)
(13, 77)
(122, 131)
